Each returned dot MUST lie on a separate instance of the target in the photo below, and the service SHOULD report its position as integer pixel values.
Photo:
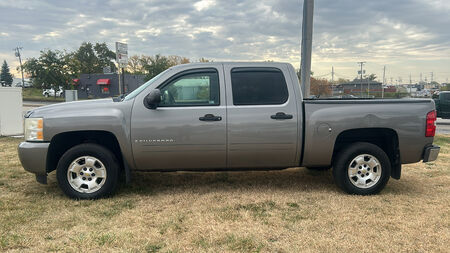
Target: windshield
(142, 87)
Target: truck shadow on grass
(293, 180)
(299, 179)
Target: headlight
(34, 129)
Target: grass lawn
(35, 94)
(293, 210)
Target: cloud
(407, 35)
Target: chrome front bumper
(431, 153)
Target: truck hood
(70, 107)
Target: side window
(258, 86)
(446, 97)
(197, 89)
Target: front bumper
(431, 153)
(33, 156)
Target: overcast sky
(408, 36)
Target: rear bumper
(431, 153)
(33, 156)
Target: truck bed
(326, 120)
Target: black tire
(323, 168)
(104, 155)
(341, 167)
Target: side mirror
(152, 100)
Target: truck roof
(249, 64)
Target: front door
(188, 129)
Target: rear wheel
(362, 168)
(88, 171)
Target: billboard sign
(122, 54)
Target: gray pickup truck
(225, 116)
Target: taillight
(431, 126)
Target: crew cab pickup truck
(443, 105)
(225, 116)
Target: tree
(371, 77)
(341, 80)
(135, 65)
(5, 75)
(86, 60)
(156, 65)
(204, 60)
(105, 57)
(320, 87)
(50, 69)
(177, 60)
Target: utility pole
(361, 63)
(307, 33)
(421, 79)
(384, 81)
(432, 79)
(120, 80)
(410, 85)
(332, 80)
(332, 74)
(17, 50)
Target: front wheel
(88, 171)
(362, 168)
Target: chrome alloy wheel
(86, 174)
(364, 171)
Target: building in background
(105, 85)
(356, 88)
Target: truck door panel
(262, 118)
(188, 129)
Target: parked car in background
(24, 85)
(51, 92)
(443, 104)
(232, 116)
(4, 84)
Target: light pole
(307, 33)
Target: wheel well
(62, 142)
(384, 138)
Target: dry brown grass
(285, 211)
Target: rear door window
(446, 96)
(258, 86)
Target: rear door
(262, 117)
